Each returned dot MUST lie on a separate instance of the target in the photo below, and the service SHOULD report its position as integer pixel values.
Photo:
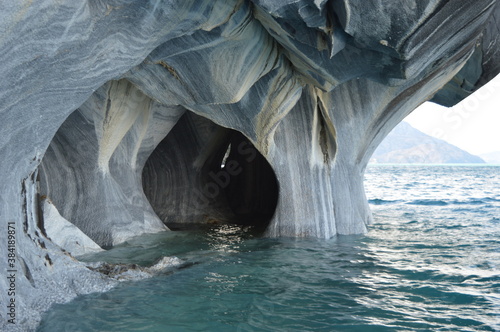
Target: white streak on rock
(65, 234)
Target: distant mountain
(491, 157)
(406, 145)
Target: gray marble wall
(89, 89)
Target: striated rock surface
(65, 234)
(129, 115)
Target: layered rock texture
(124, 117)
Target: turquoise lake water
(430, 262)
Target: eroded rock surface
(122, 112)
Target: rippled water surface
(431, 262)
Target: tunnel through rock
(204, 173)
(256, 66)
(123, 164)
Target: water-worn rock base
(120, 118)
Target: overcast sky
(473, 125)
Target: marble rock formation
(123, 117)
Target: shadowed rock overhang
(116, 115)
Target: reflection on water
(422, 267)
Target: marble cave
(121, 117)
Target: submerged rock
(131, 115)
(129, 272)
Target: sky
(473, 125)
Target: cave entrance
(202, 173)
(252, 188)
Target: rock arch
(313, 85)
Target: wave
(472, 201)
(428, 202)
(443, 202)
(378, 201)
